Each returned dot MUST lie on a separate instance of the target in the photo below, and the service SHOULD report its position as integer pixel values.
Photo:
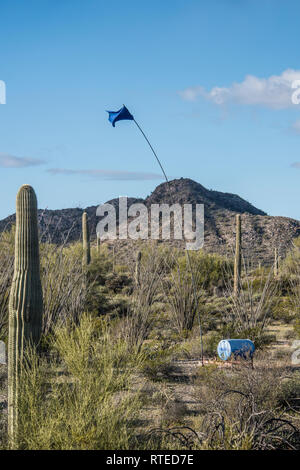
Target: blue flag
(120, 115)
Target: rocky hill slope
(261, 233)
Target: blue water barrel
(235, 347)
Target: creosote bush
(212, 269)
(80, 398)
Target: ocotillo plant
(276, 262)
(238, 258)
(86, 256)
(26, 299)
(138, 269)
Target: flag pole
(147, 140)
(187, 251)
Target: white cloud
(111, 175)
(10, 161)
(272, 92)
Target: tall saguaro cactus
(238, 258)
(85, 240)
(26, 299)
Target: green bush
(157, 364)
(80, 400)
(290, 391)
(116, 282)
(291, 263)
(212, 269)
(284, 310)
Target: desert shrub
(183, 296)
(257, 284)
(212, 311)
(163, 257)
(61, 276)
(98, 301)
(86, 403)
(106, 289)
(137, 323)
(141, 313)
(240, 409)
(157, 364)
(210, 342)
(63, 283)
(187, 286)
(284, 285)
(290, 392)
(100, 267)
(6, 274)
(251, 308)
(116, 282)
(121, 269)
(212, 269)
(190, 348)
(292, 267)
(291, 263)
(154, 258)
(284, 310)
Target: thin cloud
(295, 165)
(110, 175)
(272, 92)
(11, 161)
(296, 127)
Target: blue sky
(209, 81)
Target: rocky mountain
(261, 233)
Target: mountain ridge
(261, 232)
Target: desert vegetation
(114, 358)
